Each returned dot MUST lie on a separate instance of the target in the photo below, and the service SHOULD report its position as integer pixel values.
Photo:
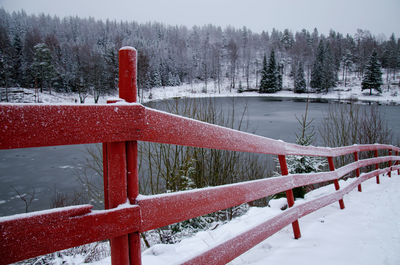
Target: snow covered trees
(43, 70)
(390, 57)
(300, 85)
(373, 76)
(271, 78)
(176, 55)
(323, 73)
(5, 60)
(263, 82)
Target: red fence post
(128, 92)
(120, 167)
(357, 170)
(336, 182)
(376, 167)
(105, 175)
(117, 183)
(289, 196)
(398, 170)
(390, 164)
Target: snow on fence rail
(119, 126)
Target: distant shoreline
(345, 95)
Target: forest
(80, 55)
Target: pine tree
(156, 79)
(347, 62)
(330, 76)
(42, 66)
(263, 82)
(317, 69)
(173, 79)
(4, 69)
(5, 58)
(373, 76)
(177, 80)
(17, 60)
(170, 81)
(271, 81)
(279, 81)
(111, 69)
(304, 164)
(287, 39)
(293, 70)
(323, 72)
(299, 81)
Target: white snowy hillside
(366, 232)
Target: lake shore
(345, 94)
(351, 93)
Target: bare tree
(233, 53)
(350, 124)
(27, 198)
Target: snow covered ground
(366, 232)
(352, 92)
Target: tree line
(74, 54)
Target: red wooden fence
(119, 126)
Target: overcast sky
(345, 16)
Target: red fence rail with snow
(119, 126)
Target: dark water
(37, 172)
(276, 117)
(46, 169)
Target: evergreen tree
(299, 81)
(347, 62)
(4, 69)
(323, 73)
(317, 69)
(5, 60)
(293, 70)
(177, 80)
(373, 76)
(111, 69)
(143, 76)
(287, 39)
(263, 82)
(156, 79)
(390, 58)
(42, 66)
(17, 60)
(271, 82)
(330, 75)
(173, 79)
(303, 164)
(279, 84)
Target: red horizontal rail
(40, 232)
(26, 125)
(232, 248)
(48, 125)
(167, 128)
(24, 236)
(179, 206)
